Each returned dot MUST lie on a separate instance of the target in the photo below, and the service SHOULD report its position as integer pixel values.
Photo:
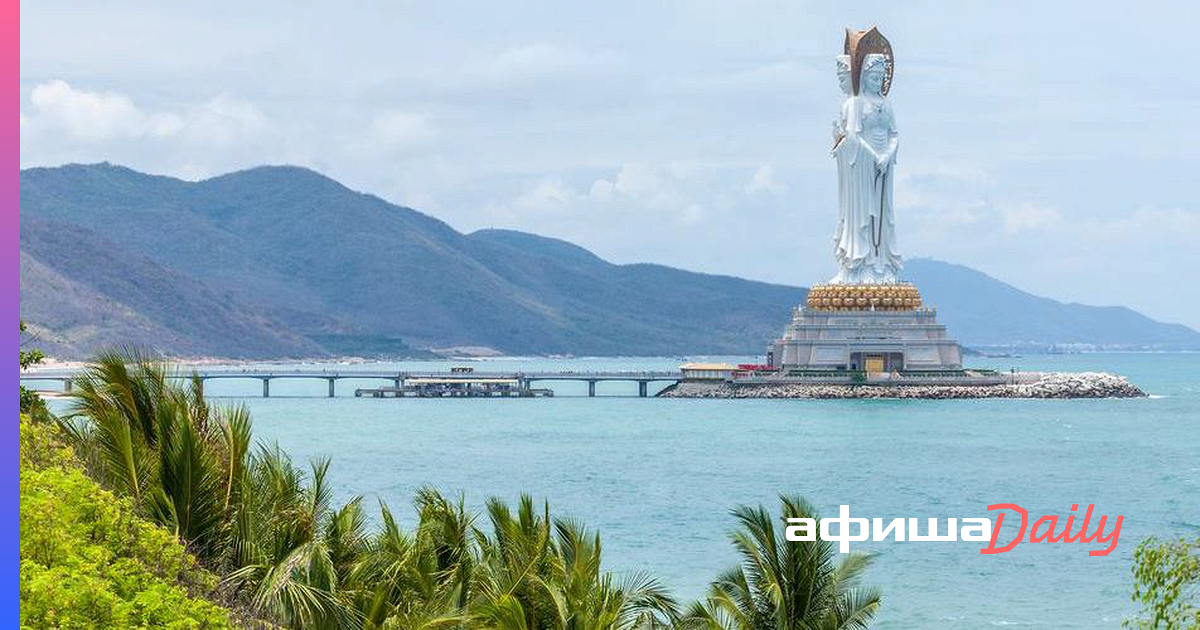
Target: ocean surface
(658, 477)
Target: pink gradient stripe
(10, 213)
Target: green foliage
(1167, 584)
(538, 572)
(288, 556)
(30, 357)
(42, 446)
(31, 403)
(87, 561)
(785, 585)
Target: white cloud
(63, 112)
(602, 190)
(548, 194)
(1028, 216)
(223, 120)
(539, 60)
(675, 194)
(649, 186)
(97, 116)
(764, 180)
(403, 128)
(1153, 227)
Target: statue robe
(865, 244)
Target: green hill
(88, 561)
(88, 292)
(284, 262)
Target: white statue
(839, 134)
(865, 243)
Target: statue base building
(865, 327)
(864, 320)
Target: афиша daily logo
(1044, 529)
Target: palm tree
(422, 580)
(784, 585)
(293, 554)
(295, 560)
(538, 573)
(188, 466)
(586, 598)
(159, 443)
(513, 560)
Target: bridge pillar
(592, 389)
(331, 382)
(398, 382)
(266, 388)
(67, 386)
(642, 388)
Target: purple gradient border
(10, 227)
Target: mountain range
(282, 262)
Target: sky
(1052, 145)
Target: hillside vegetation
(88, 561)
(176, 468)
(277, 262)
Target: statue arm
(839, 127)
(889, 153)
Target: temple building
(870, 328)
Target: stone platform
(1021, 385)
(872, 328)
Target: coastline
(1040, 385)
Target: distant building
(707, 371)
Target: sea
(659, 477)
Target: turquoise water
(658, 476)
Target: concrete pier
(399, 380)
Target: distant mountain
(984, 311)
(332, 265)
(80, 290)
(284, 262)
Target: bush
(88, 562)
(1166, 578)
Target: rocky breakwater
(1026, 385)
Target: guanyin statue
(865, 148)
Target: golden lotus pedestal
(865, 327)
(863, 297)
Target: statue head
(861, 44)
(843, 74)
(874, 73)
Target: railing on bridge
(642, 377)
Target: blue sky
(1052, 145)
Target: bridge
(397, 379)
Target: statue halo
(858, 45)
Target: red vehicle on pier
(754, 369)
